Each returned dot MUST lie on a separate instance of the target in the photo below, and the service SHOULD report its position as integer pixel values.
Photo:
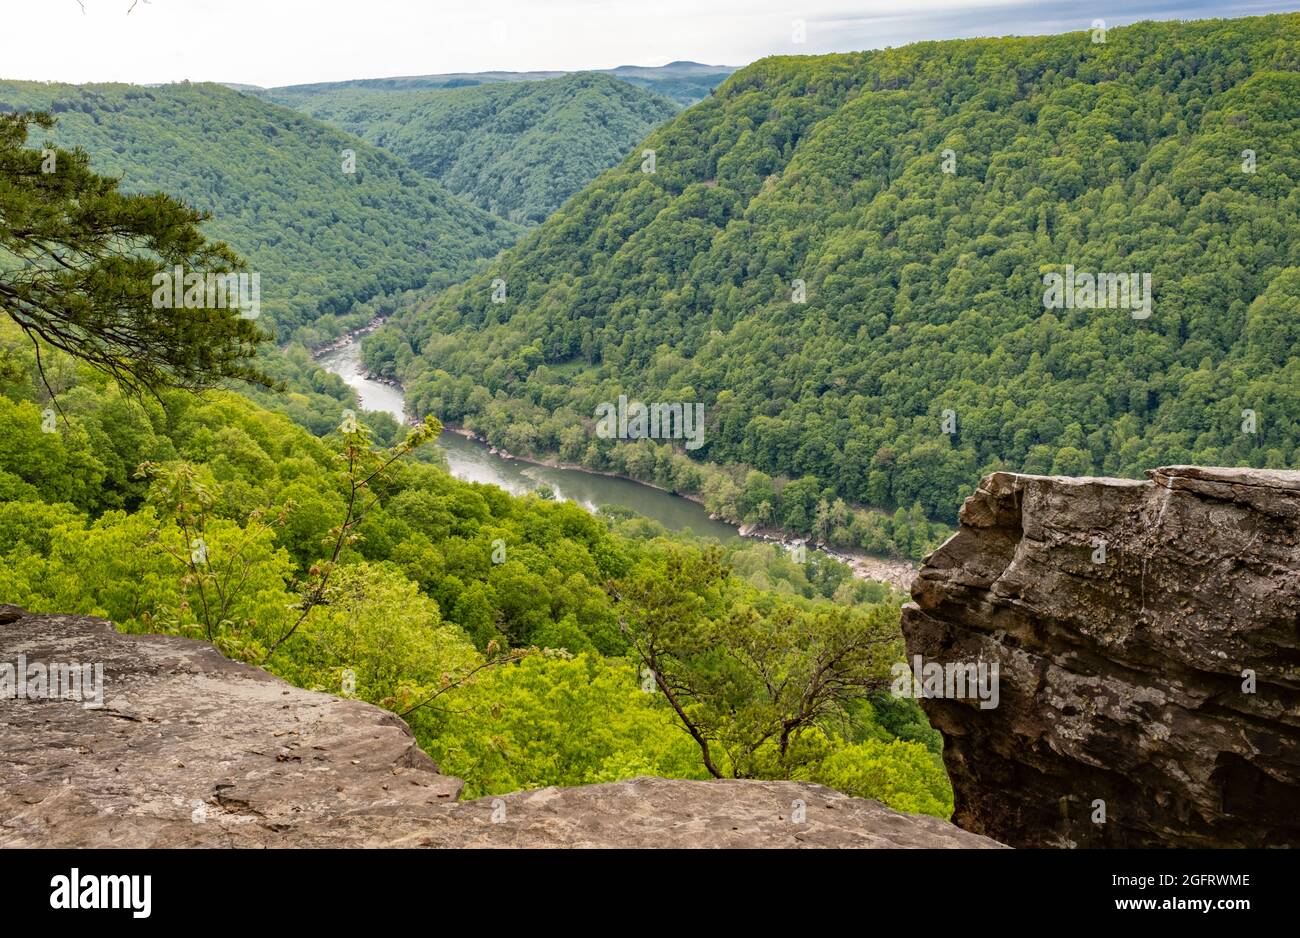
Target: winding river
(475, 462)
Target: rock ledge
(191, 749)
(1127, 619)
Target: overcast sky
(277, 42)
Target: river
(475, 462)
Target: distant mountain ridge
(684, 82)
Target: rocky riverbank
(348, 337)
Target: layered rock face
(191, 749)
(1147, 636)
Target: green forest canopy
(517, 149)
(923, 288)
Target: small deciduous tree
(753, 684)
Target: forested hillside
(843, 258)
(517, 149)
(322, 239)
